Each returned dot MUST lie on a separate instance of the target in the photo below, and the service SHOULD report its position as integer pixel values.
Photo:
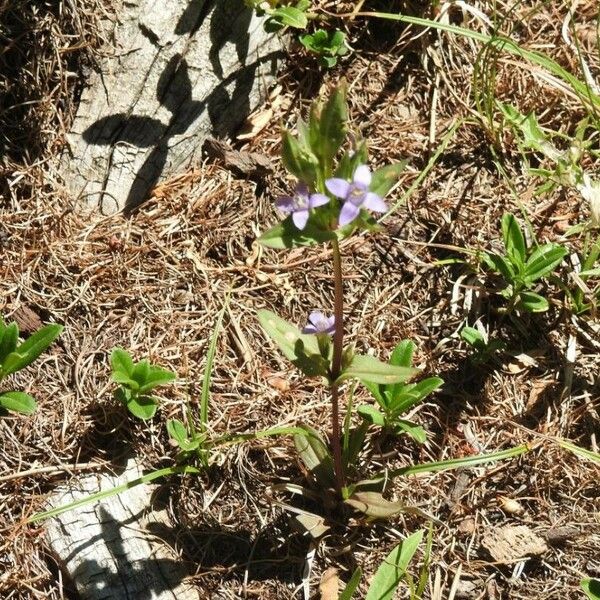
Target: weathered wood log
(110, 550)
(181, 70)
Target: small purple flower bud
(319, 323)
(355, 194)
(300, 204)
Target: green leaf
(402, 355)
(591, 587)
(112, 492)
(379, 393)
(393, 569)
(120, 360)
(290, 16)
(8, 341)
(371, 414)
(473, 337)
(579, 451)
(543, 260)
(286, 235)
(140, 372)
(142, 407)
(156, 376)
(514, 241)
(407, 397)
(332, 126)
(356, 441)
(415, 431)
(297, 160)
(301, 349)
(18, 402)
(350, 160)
(368, 368)
(385, 178)
(210, 358)
(177, 431)
(501, 265)
(31, 348)
(454, 463)
(315, 455)
(532, 302)
(374, 505)
(124, 379)
(328, 61)
(352, 585)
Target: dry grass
(154, 283)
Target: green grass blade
(210, 358)
(112, 492)
(455, 463)
(580, 88)
(579, 451)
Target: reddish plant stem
(336, 367)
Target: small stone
(560, 535)
(467, 526)
(467, 589)
(280, 384)
(512, 543)
(511, 506)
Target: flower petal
(318, 200)
(315, 317)
(374, 202)
(300, 218)
(348, 213)
(338, 187)
(302, 189)
(319, 323)
(285, 204)
(362, 176)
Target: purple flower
(319, 323)
(299, 204)
(355, 194)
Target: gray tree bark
(114, 549)
(181, 70)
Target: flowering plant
(335, 197)
(330, 202)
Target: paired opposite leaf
(316, 457)
(369, 369)
(533, 302)
(177, 431)
(300, 349)
(136, 380)
(332, 126)
(286, 235)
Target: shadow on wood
(184, 70)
